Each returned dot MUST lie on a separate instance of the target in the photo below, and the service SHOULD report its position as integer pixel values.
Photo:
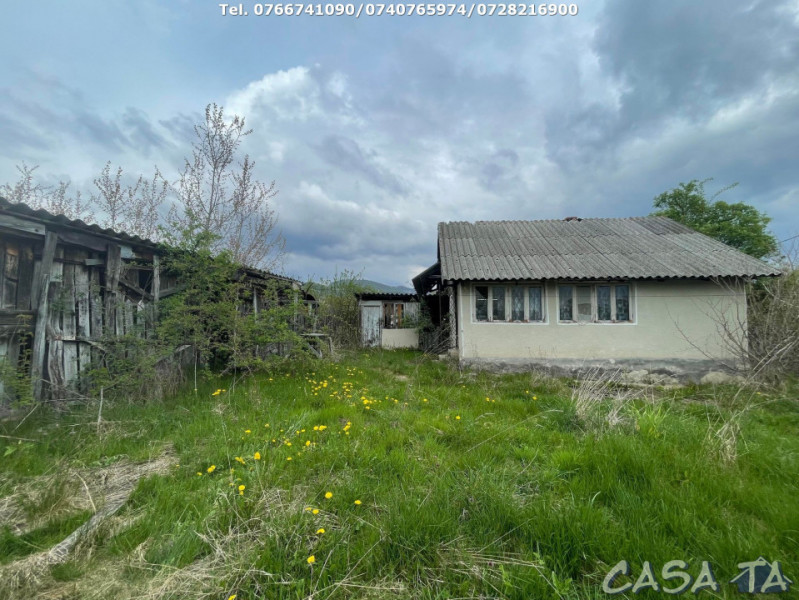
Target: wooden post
(40, 302)
(113, 265)
(156, 279)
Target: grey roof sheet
(631, 248)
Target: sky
(375, 129)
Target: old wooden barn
(64, 284)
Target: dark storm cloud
(141, 131)
(677, 60)
(347, 154)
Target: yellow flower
(242, 488)
(247, 431)
(288, 458)
(257, 456)
(311, 559)
(307, 509)
(320, 530)
(216, 393)
(211, 469)
(200, 474)
(535, 397)
(232, 597)
(266, 425)
(329, 495)
(308, 443)
(315, 511)
(240, 459)
(457, 417)
(357, 503)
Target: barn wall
(93, 288)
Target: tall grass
(470, 485)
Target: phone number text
(401, 10)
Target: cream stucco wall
(671, 320)
(399, 338)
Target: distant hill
(376, 286)
(366, 285)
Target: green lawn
(443, 484)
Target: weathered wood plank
(129, 330)
(55, 345)
(83, 324)
(69, 323)
(113, 266)
(26, 273)
(15, 223)
(41, 302)
(95, 304)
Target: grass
(470, 485)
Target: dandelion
(232, 597)
(200, 474)
(240, 459)
(457, 417)
(535, 397)
(288, 458)
(307, 509)
(242, 488)
(308, 443)
(320, 531)
(329, 495)
(247, 431)
(211, 469)
(357, 503)
(216, 393)
(257, 456)
(315, 511)
(266, 425)
(311, 559)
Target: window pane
(498, 303)
(584, 303)
(517, 304)
(603, 302)
(536, 311)
(481, 303)
(622, 303)
(565, 297)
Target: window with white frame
(594, 303)
(509, 303)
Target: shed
(389, 319)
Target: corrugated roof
(631, 248)
(23, 210)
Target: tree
(133, 209)
(54, 199)
(738, 225)
(217, 197)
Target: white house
(642, 293)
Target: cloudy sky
(376, 129)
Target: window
(508, 303)
(566, 302)
(392, 315)
(498, 303)
(601, 303)
(517, 303)
(481, 303)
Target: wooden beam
(156, 278)
(40, 330)
(136, 289)
(113, 266)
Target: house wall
(399, 338)
(672, 320)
